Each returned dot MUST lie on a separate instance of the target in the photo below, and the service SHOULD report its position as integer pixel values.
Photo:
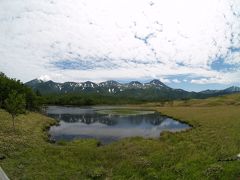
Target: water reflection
(110, 120)
(87, 123)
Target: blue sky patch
(220, 65)
(82, 65)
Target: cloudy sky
(190, 44)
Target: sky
(189, 44)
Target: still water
(87, 122)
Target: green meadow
(206, 151)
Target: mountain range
(152, 90)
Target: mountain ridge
(109, 83)
(149, 90)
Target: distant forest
(86, 99)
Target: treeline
(92, 98)
(86, 99)
(9, 86)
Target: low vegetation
(125, 112)
(207, 151)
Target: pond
(109, 123)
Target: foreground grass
(200, 153)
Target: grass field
(207, 151)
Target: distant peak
(109, 83)
(155, 81)
(135, 84)
(35, 81)
(233, 89)
(49, 81)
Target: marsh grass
(125, 112)
(192, 154)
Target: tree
(33, 102)
(15, 105)
(7, 85)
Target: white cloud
(221, 78)
(176, 81)
(120, 39)
(45, 78)
(233, 58)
